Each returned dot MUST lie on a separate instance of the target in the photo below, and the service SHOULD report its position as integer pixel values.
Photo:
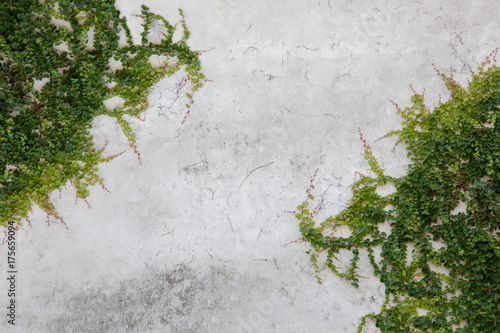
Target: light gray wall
(199, 238)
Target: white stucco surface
(199, 237)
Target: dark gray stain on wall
(179, 300)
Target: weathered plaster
(199, 238)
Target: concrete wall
(198, 237)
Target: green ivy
(455, 160)
(44, 135)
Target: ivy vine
(67, 47)
(440, 264)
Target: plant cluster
(440, 264)
(67, 48)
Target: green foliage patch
(451, 281)
(44, 133)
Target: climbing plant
(59, 61)
(440, 263)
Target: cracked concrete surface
(200, 238)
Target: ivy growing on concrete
(440, 262)
(59, 61)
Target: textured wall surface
(199, 238)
